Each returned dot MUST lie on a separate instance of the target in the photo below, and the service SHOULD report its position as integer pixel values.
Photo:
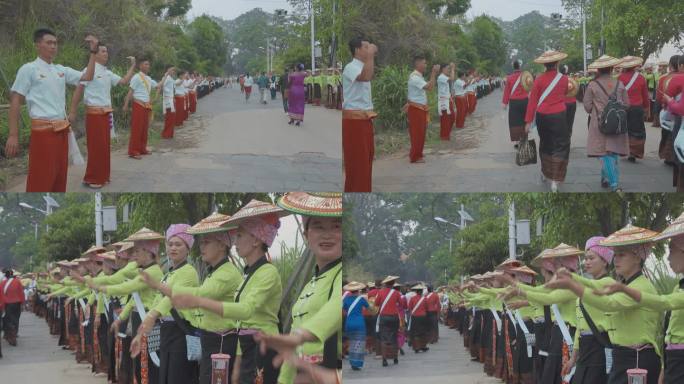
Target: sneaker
(356, 369)
(554, 186)
(396, 361)
(632, 159)
(384, 362)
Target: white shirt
(443, 94)
(189, 85)
(249, 81)
(357, 94)
(180, 88)
(459, 87)
(168, 91)
(142, 89)
(98, 92)
(416, 93)
(44, 86)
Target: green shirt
(317, 312)
(630, 322)
(137, 284)
(185, 275)
(673, 302)
(563, 298)
(598, 315)
(259, 300)
(128, 272)
(221, 284)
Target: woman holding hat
(639, 104)
(146, 253)
(562, 304)
(633, 329)
(516, 95)
(355, 326)
(174, 367)
(673, 303)
(591, 340)
(258, 299)
(218, 335)
(546, 108)
(606, 147)
(316, 315)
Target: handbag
(527, 152)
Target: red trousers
(461, 110)
(472, 102)
(169, 124)
(140, 123)
(179, 103)
(193, 102)
(48, 161)
(446, 122)
(99, 141)
(358, 147)
(417, 119)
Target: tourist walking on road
(607, 148)
(262, 82)
(639, 105)
(248, 83)
(296, 95)
(516, 95)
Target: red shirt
(554, 102)
(433, 304)
(520, 92)
(421, 309)
(14, 293)
(392, 306)
(676, 85)
(638, 93)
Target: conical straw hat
(145, 234)
(629, 235)
(604, 61)
(312, 204)
(211, 224)
(550, 57)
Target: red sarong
(472, 102)
(446, 121)
(461, 110)
(358, 146)
(98, 130)
(140, 122)
(418, 120)
(169, 124)
(179, 103)
(193, 102)
(48, 160)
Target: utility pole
(511, 231)
(584, 34)
(313, 40)
(98, 219)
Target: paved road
(38, 359)
(480, 158)
(446, 362)
(231, 145)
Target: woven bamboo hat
(211, 224)
(537, 260)
(562, 250)
(524, 270)
(550, 57)
(631, 62)
(419, 286)
(676, 228)
(145, 234)
(390, 279)
(526, 80)
(508, 264)
(94, 250)
(629, 235)
(604, 61)
(255, 208)
(371, 284)
(354, 286)
(312, 204)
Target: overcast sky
(231, 9)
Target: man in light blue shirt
(357, 116)
(418, 110)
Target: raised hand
(610, 289)
(92, 43)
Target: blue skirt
(357, 348)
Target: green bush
(389, 97)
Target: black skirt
(389, 327)
(554, 362)
(253, 361)
(635, 122)
(487, 329)
(626, 358)
(516, 118)
(152, 370)
(674, 367)
(213, 343)
(570, 110)
(591, 363)
(554, 144)
(522, 363)
(174, 366)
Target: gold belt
(358, 114)
(52, 125)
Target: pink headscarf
(263, 228)
(604, 252)
(151, 246)
(548, 265)
(221, 237)
(180, 231)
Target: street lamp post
(313, 40)
(584, 35)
